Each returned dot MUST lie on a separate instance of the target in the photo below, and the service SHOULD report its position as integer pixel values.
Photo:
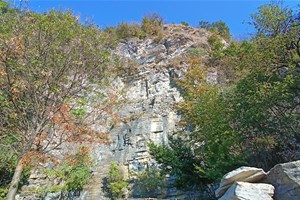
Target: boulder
(243, 174)
(286, 180)
(249, 191)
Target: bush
(74, 172)
(220, 28)
(150, 182)
(126, 30)
(216, 46)
(185, 23)
(116, 181)
(197, 52)
(152, 26)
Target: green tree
(177, 158)
(265, 93)
(46, 63)
(272, 20)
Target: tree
(177, 158)
(48, 62)
(272, 20)
(266, 109)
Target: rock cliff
(148, 114)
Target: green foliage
(197, 52)
(177, 158)
(74, 172)
(8, 162)
(80, 108)
(184, 23)
(116, 181)
(212, 116)
(152, 26)
(125, 30)
(216, 45)
(220, 28)
(7, 165)
(272, 19)
(266, 117)
(150, 183)
(3, 7)
(208, 115)
(265, 87)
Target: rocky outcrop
(286, 180)
(249, 191)
(245, 174)
(147, 114)
(282, 182)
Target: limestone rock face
(249, 191)
(244, 174)
(148, 114)
(286, 179)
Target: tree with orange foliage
(47, 63)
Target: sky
(106, 13)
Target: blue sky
(108, 13)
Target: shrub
(185, 23)
(220, 28)
(74, 172)
(116, 181)
(152, 26)
(150, 182)
(197, 52)
(126, 30)
(216, 45)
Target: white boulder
(249, 191)
(243, 174)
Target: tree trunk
(12, 191)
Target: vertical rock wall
(148, 114)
